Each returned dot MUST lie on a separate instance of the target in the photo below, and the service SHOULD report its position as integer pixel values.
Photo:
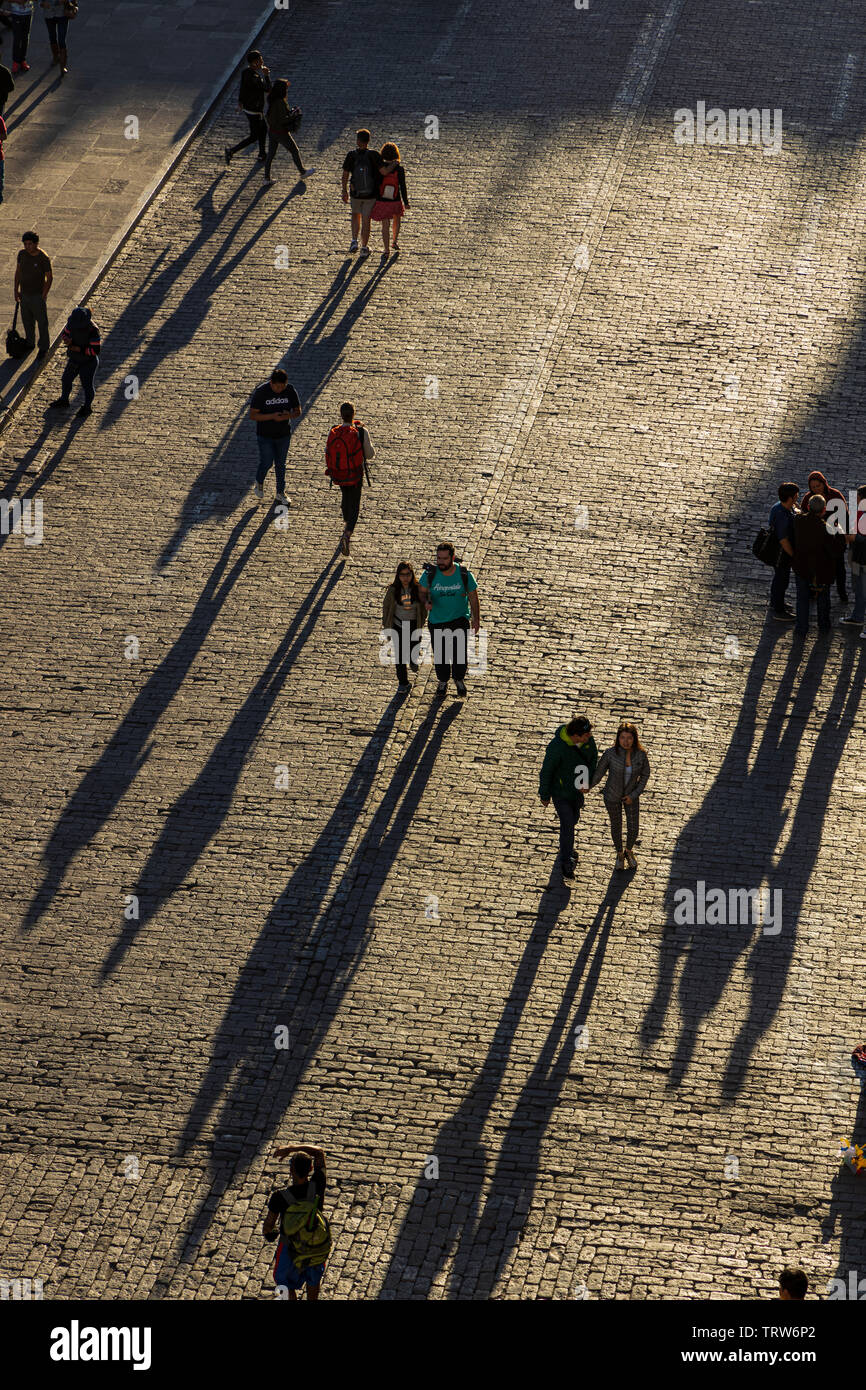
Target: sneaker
(783, 615)
(286, 501)
(59, 404)
(353, 245)
(855, 622)
(16, 67)
(568, 874)
(228, 154)
(461, 689)
(25, 67)
(311, 170)
(344, 543)
(441, 690)
(620, 861)
(395, 249)
(83, 411)
(632, 862)
(365, 251)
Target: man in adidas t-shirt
(362, 169)
(450, 601)
(272, 406)
(304, 1186)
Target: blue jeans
(272, 453)
(20, 36)
(779, 582)
(804, 594)
(569, 814)
(858, 584)
(57, 31)
(86, 370)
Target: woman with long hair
(403, 615)
(392, 201)
(279, 132)
(627, 769)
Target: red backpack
(344, 455)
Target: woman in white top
(627, 768)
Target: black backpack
(430, 568)
(364, 178)
(16, 345)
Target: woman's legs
(293, 150)
(632, 821)
(273, 146)
(614, 811)
(20, 37)
(386, 235)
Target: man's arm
(424, 595)
(345, 189)
(316, 1154)
(49, 280)
(269, 1224)
(786, 545)
(17, 285)
(475, 609)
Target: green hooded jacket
(560, 764)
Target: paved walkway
(72, 171)
(596, 357)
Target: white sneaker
(259, 490)
(286, 501)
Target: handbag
(296, 115)
(16, 345)
(766, 547)
(70, 9)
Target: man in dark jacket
(816, 554)
(7, 86)
(81, 337)
(255, 85)
(567, 770)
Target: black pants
(258, 132)
(350, 504)
(449, 648)
(20, 36)
(284, 139)
(406, 657)
(83, 368)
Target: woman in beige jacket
(404, 615)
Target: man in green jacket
(567, 770)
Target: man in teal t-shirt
(450, 594)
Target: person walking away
(362, 168)
(21, 15)
(296, 1219)
(33, 277)
(7, 87)
(627, 769)
(781, 523)
(273, 405)
(570, 761)
(57, 14)
(835, 500)
(404, 615)
(450, 594)
(815, 563)
(279, 132)
(83, 344)
(347, 450)
(857, 559)
(392, 201)
(255, 85)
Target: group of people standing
(814, 535)
(17, 16)
(374, 181)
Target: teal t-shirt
(449, 597)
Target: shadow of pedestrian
(304, 960)
(457, 1214)
(33, 455)
(750, 800)
(848, 1214)
(198, 813)
(109, 779)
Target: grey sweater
(613, 764)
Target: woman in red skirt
(392, 201)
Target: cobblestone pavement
(524, 1092)
(76, 167)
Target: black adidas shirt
(272, 402)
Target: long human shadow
(847, 1212)
(199, 812)
(304, 960)
(122, 341)
(111, 776)
(21, 114)
(311, 361)
(730, 844)
(29, 458)
(450, 1209)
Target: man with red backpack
(346, 453)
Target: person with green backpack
(295, 1218)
